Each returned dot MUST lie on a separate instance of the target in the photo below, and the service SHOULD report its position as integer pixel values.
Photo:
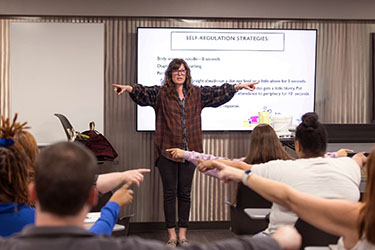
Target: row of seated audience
(18, 154)
(62, 192)
(311, 173)
(314, 172)
(352, 220)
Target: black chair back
(312, 236)
(68, 128)
(241, 223)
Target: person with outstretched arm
(63, 194)
(336, 178)
(178, 105)
(353, 221)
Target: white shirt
(362, 244)
(323, 177)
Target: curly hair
(14, 164)
(169, 85)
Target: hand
(123, 196)
(228, 174)
(134, 176)
(249, 86)
(360, 158)
(343, 152)
(176, 153)
(288, 238)
(203, 166)
(123, 88)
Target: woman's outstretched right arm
(141, 95)
(120, 89)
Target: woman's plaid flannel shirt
(168, 132)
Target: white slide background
(283, 61)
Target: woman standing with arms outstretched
(178, 105)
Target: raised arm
(214, 96)
(360, 159)
(192, 156)
(196, 158)
(342, 152)
(338, 217)
(249, 86)
(108, 182)
(141, 95)
(109, 213)
(216, 164)
(120, 89)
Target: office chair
(240, 222)
(312, 236)
(124, 221)
(68, 128)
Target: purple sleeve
(331, 155)
(192, 156)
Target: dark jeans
(177, 178)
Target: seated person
(18, 151)
(311, 173)
(63, 194)
(353, 221)
(264, 146)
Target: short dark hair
(64, 174)
(312, 135)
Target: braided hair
(13, 164)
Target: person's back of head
(64, 175)
(13, 164)
(312, 136)
(265, 146)
(13, 174)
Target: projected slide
(283, 61)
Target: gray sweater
(75, 238)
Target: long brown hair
(13, 165)
(265, 146)
(367, 213)
(169, 85)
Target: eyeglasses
(176, 71)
